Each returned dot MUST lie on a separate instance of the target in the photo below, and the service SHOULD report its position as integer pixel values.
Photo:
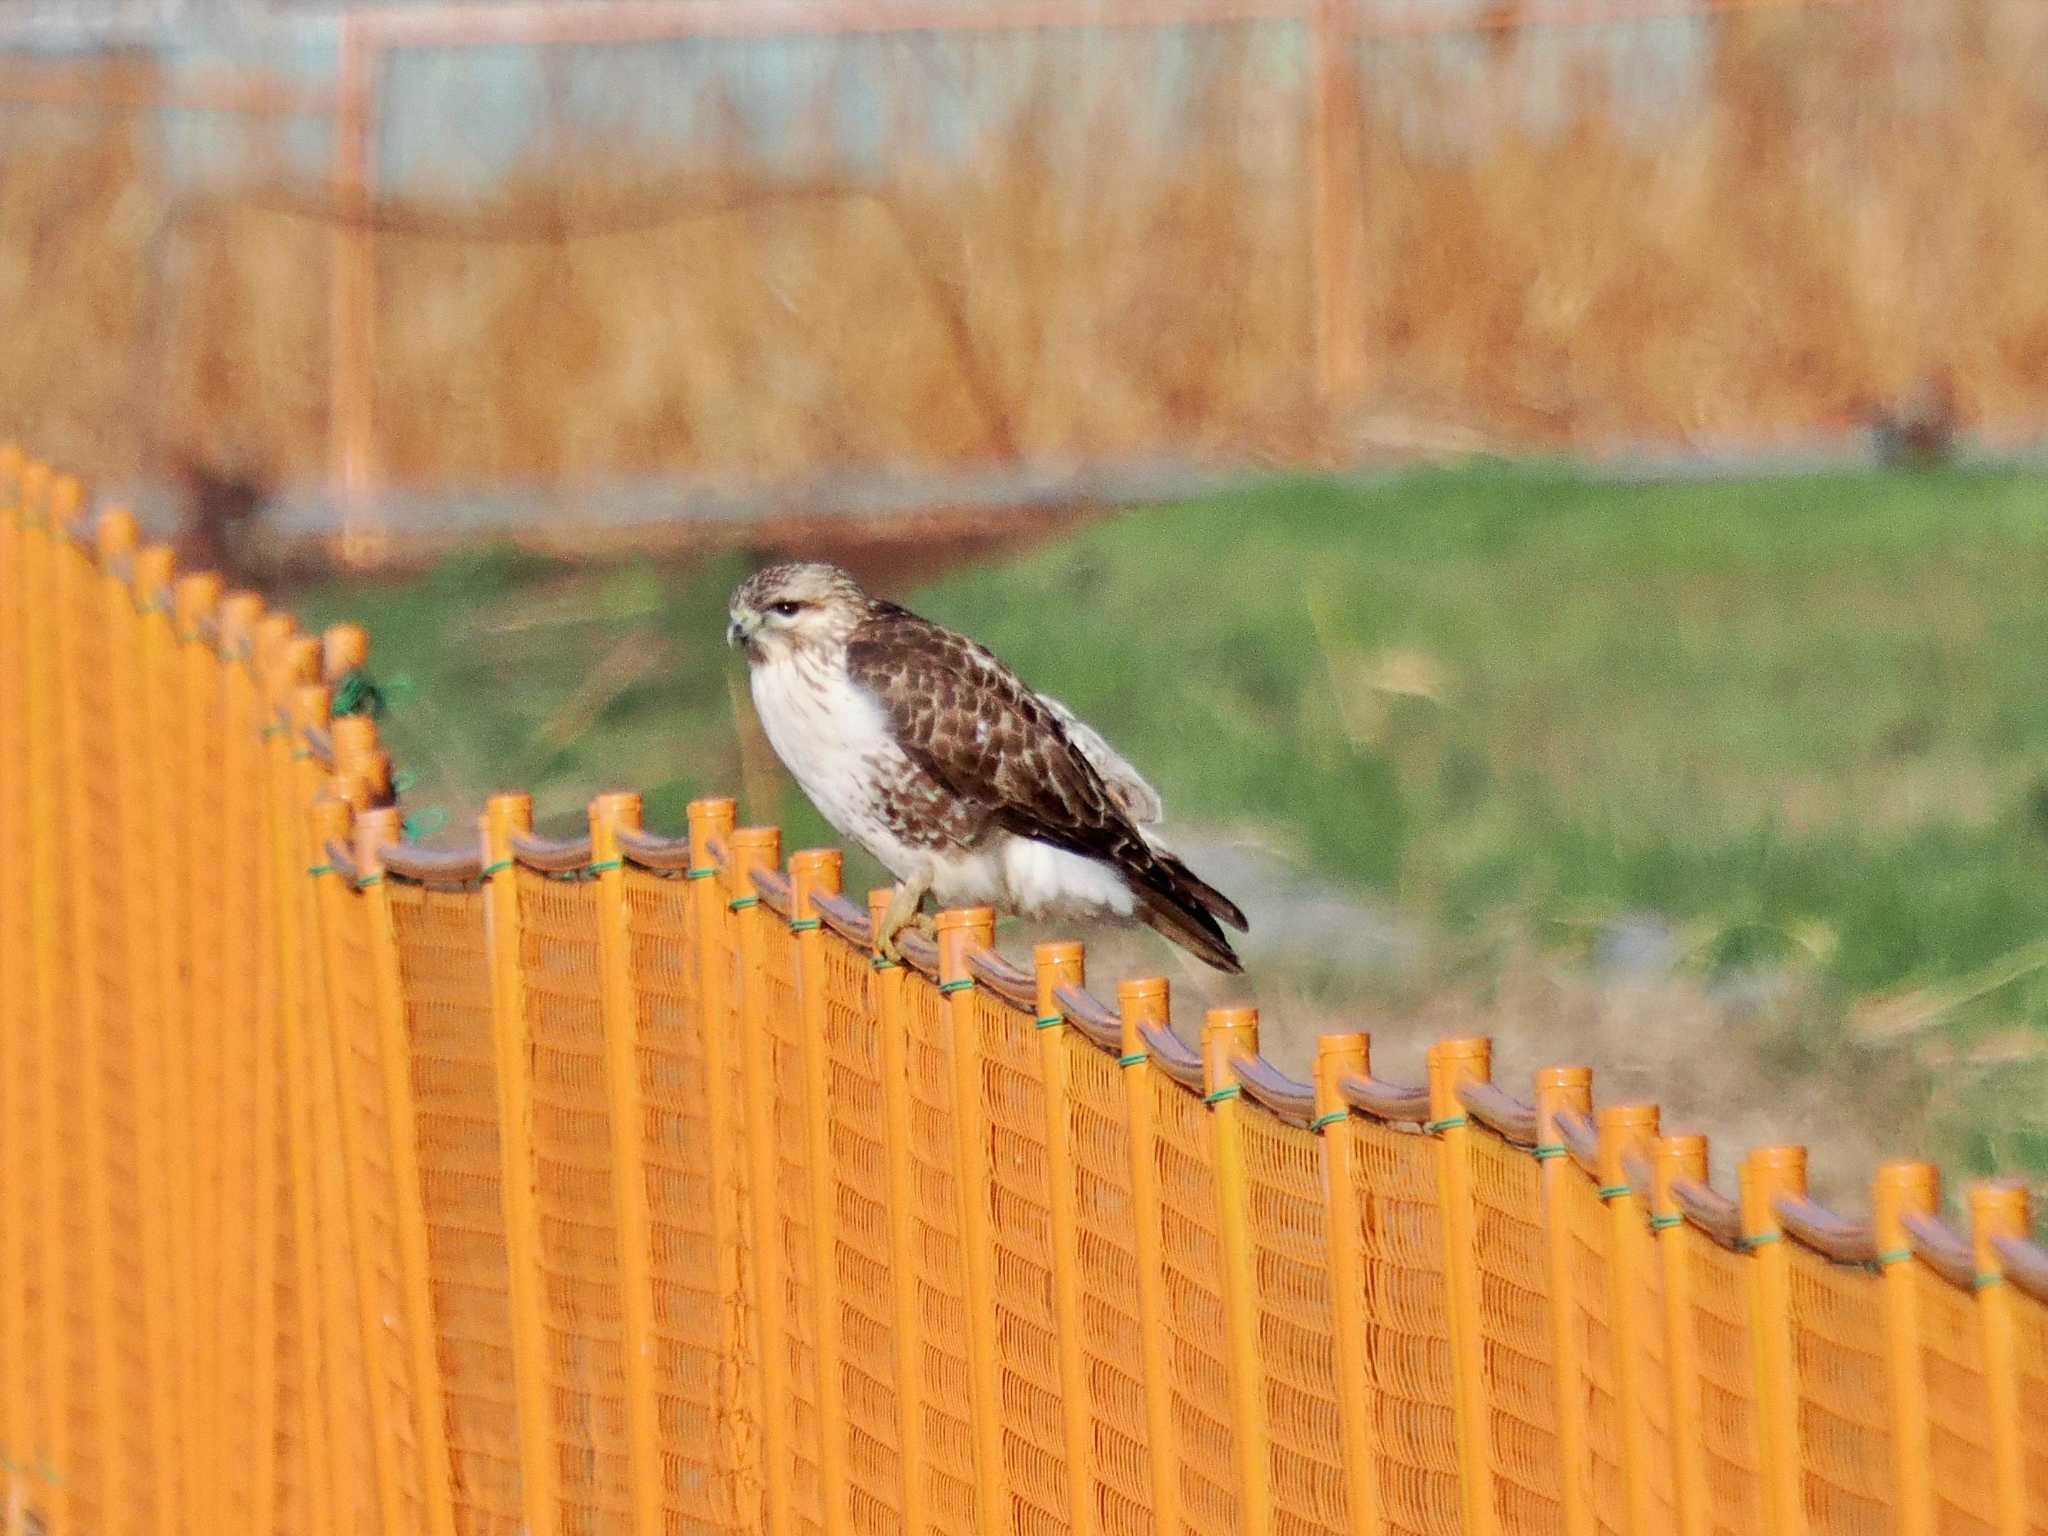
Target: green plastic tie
(599, 866)
(957, 984)
(700, 872)
(1448, 1123)
(492, 868)
(1049, 1021)
(805, 924)
(319, 869)
(424, 824)
(1544, 1151)
(1330, 1119)
(1760, 1240)
(1134, 1059)
(1227, 1091)
(1892, 1256)
(741, 903)
(1659, 1223)
(877, 963)
(1613, 1191)
(364, 882)
(1985, 1281)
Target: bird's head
(784, 609)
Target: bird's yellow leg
(902, 913)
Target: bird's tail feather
(1186, 909)
(1190, 927)
(1205, 895)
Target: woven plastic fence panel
(1191, 1253)
(1026, 1324)
(794, 1254)
(2030, 1348)
(694, 1320)
(445, 980)
(1593, 1319)
(1112, 1332)
(865, 1276)
(360, 1075)
(939, 1262)
(1959, 1440)
(572, 1174)
(1407, 1330)
(1289, 1228)
(1845, 1449)
(1727, 1383)
(1515, 1329)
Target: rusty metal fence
(615, 1185)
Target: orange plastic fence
(616, 1185)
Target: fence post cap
(343, 647)
(1339, 1055)
(67, 499)
(813, 872)
(1899, 1189)
(1142, 1002)
(878, 908)
(710, 819)
(1227, 1034)
(150, 574)
(1998, 1208)
(1062, 963)
(1765, 1174)
(115, 533)
(194, 594)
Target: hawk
(965, 783)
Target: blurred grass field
(1797, 728)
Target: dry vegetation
(1861, 201)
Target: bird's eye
(785, 609)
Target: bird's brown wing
(978, 729)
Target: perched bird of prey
(963, 781)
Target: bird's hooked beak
(741, 626)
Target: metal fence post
(1767, 1173)
(1564, 1090)
(711, 821)
(960, 933)
(813, 873)
(1624, 1130)
(142, 834)
(1144, 1003)
(909, 1351)
(297, 672)
(1450, 1063)
(749, 849)
(1905, 1189)
(1227, 1034)
(1338, 1057)
(52, 1445)
(627, 1118)
(1055, 966)
(1673, 1158)
(2000, 1209)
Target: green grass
(1807, 720)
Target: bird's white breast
(835, 741)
